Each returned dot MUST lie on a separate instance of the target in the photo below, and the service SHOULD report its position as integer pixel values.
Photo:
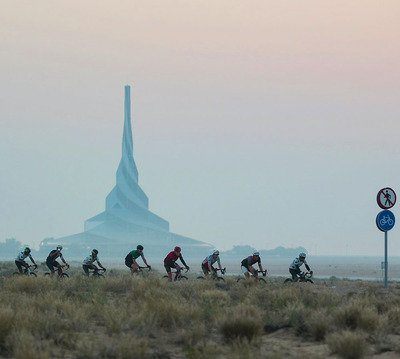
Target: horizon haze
(254, 123)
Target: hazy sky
(254, 122)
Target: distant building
(127, 220)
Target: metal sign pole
(386, 261)
(385, 219)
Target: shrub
(319, 325)
(348, 345)
(356, 316)
(6, 325)
(243, 323)
(240, 328)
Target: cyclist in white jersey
(206, 264)
(20, 260)
(88, 262)
(294, 268)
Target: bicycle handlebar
(308, 274)
(148, 268)
(180, 269)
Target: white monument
(127, 220)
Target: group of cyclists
(52, 263)
(170, 262)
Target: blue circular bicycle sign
(385, 220)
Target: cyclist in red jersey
(170, 261)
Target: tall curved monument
(127, 220)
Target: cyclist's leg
(205, 269)
(129, 264)
(255, 273)
(168, 269)
(178, 272)
(134, 266)
(58, 266)
(86, 269)
(245, 272)
(51, 267)
(295, 273)
(19, 266)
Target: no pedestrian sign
(386, 198)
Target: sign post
(385, 219)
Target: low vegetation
(126, 316)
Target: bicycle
(97, 273)
(214, 275)
(142, 271)
(61, 275)
(386, 219)
(178, 275)
(263, 272)
(27, 271)
(304, 277)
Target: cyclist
(206, 264)
(294, 268)
(51, 260)
(20, 260)
(130, 259)
(170, 261)
(247, 265)
(88, 262)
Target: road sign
(386, 198)
(385, 220)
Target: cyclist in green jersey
(130, 259)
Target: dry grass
(152, 318)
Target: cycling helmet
(95, 251)
(27, 250)
(59, 246)
(216, 251)
(177, 249)
(302, 254)
(256, 253)
(139, 247)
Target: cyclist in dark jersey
(51, 261)
(130, 259)
(247, 265)
(170, 261)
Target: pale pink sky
(249, 117)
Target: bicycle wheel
(183, 278)
(63, 276)
(220, 279)
(309, 281)
(34, 274)
(239, 279)
(16, 273)
(47, 274)
(99, 276)
(288, 280)
(262, 280)
(201, 278)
